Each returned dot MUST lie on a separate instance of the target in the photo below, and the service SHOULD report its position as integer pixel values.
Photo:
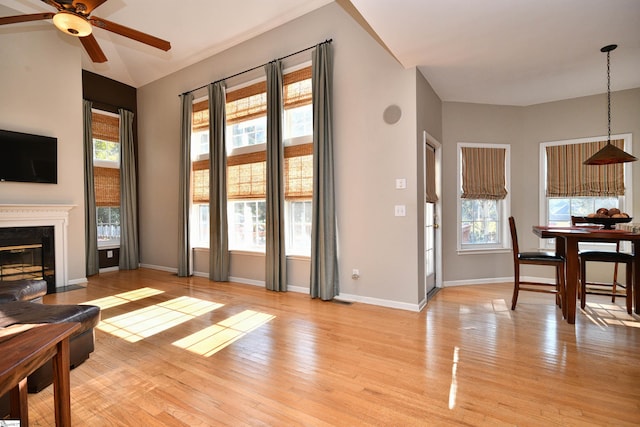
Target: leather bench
(23, 290)
(20, 303)
(81, 343)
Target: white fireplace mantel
(41, 215)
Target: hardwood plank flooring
(263, 358)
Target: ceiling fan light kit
(70, 23)
(73, 18)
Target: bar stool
(536, 258)
(612, 288)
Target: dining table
(26, 347)
(567, 241)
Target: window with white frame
(246, 166)
(570, 188)
(483, 196)
(106, 175)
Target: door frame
(434, 143)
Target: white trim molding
(32, 215)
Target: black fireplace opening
(28, 253)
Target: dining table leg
(571, 278)
(61, 386)
(636, 275)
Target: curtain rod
(258, 66)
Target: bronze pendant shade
(609, 154)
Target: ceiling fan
(73, 18)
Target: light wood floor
(255, 357)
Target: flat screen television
(28, 158)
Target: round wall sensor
(392, 114)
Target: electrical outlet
(355, 274)
(109, 254)
(401, 210)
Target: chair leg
(562, 288)
(583, 284)
(629, 288)
(615, 282)
(559, 299)
(516, 287)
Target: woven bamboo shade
(200, 181)
(105, 127)
(107, 186)
(298, 172)
(246, 176)
(297, 88)
(200, 117)
(247, 103)
(251, 101)
(246, 173)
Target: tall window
(246, 116)
(298, 153)
(570, 188)
(483, 196)
(106, 174)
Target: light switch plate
(401, 183)
(401, 210)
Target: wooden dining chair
(537, 257)
(613, 288)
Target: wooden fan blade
(90, 5)
(93, 48)
(56, 4)
(25, 18)
(130, 33)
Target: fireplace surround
(32, 216)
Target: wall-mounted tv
(28, 158)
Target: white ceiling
(510, 52)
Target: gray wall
(524, 128)
(369, 156)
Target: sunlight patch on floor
(125, 297)
(610, 314)
(453, 389)
(214, 338)
(145, 322)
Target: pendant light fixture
(609, 154)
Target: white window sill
(483, 251)
(109, 245)
(255, 253)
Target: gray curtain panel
(91, 226)
(324, 255)
(276, 262)
(185, 267)
(218, 231)
(129, 258)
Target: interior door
(430, 226)
(431, 209)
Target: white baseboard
(509, 279)
(159, 267)
(378, 301)
(79, 281)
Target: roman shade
(430, 171)
(567, 176)
(483, 173)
